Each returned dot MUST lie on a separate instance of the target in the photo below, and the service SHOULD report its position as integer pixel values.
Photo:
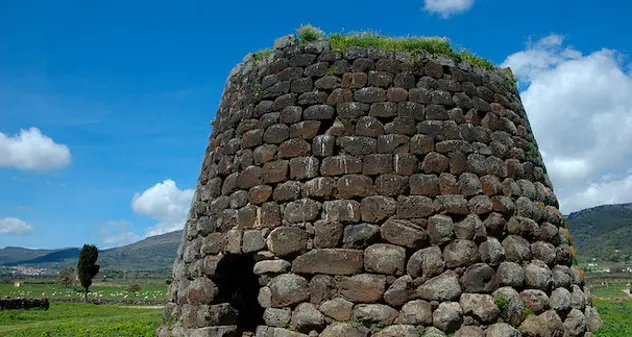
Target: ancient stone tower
(372, 193)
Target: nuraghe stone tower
(372, 193)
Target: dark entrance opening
(239, 286)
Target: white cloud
(121, 238)
(166, 203)
(31, 150)
(116, 233)
(580, 109)
(446, 8)
(14, 226)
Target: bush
(66, 277)
(133, 288)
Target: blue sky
(121, 95)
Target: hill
(155, 253)
(599, 231)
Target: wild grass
(411, 44)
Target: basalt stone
(517, 249)
(360, 236)
(416, 312)
(307, 318)
(426, 263)
(510, 304)
(288, 289)
(404, 233)
(444, 287)
(329, 261)
(351, 186)
(492, 252)
(510, 274)
(481, 306)
(461, 253)
(535, 299)
(399, 291)
(440, 229)
(378, 315)
(322, 288)
(385, 259)
(363, 288)
(287, 241)
(377, 208)
(538, 276)
(448, 316)
(478, 278)
(337, 308)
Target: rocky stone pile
(379, 194)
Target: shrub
(133, 288)
(66, 277)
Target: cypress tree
(87, 267)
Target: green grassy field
(611, 291)
(99, 290)
(80, 320)
(617, 317)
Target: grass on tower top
(411, 44)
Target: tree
(66, 276)
(87, 267)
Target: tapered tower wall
(372, 193)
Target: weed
(501, 302)
(309, 33)
(527, 311)
(533, 150)
(257, 91)
(357, 324)
(259, 55)
(331, 72)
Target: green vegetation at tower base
(411, 44)
(80, 320)
(617, 317)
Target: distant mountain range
(597, 232)
(601, 231)
(155, 253)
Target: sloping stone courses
(380, 194)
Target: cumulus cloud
(447, 8)
(31, 150)
(10, 226)
(580, 109)
(116, 233)
(166, 203)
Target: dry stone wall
(373, 193)
(24, 303)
